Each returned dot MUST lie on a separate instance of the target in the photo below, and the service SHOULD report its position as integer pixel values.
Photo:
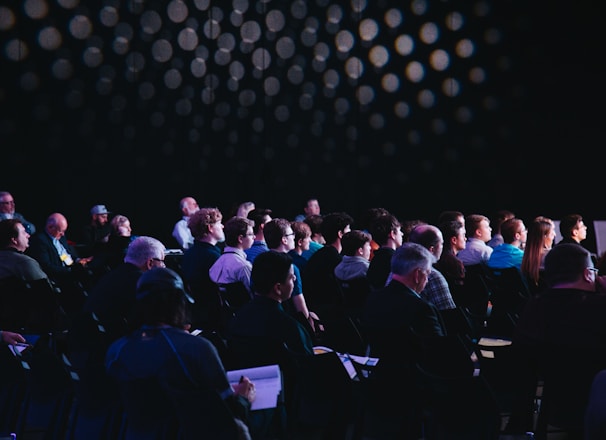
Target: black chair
(233, 296)
(509, 294)
(458, 407)
(12, 391)
(474, 294)
(322, 396)
(354, 293)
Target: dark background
(528, 135)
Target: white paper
(268, 384)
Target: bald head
(430, 237)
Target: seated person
(356, 255)
(509, 253)
(162, 351)
(14, 241)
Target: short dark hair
(258, 215)
(333, 223)
(354, 240)
(568, 223)
(382, 226)
(269, 268)
(8, 230)
(274, 231)
(565, 263)
(234, 227)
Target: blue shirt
(506, 255)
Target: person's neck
(209, 240)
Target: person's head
(448, 216)
(514, 232)
(188, 206)
(162, 299)
(279, 235)
(369, 215)
(386, 230)
(356, 243)
(99, 215)
(205, 225)
(408, 226)
(121, 226)
(335, 225)
(259, 216)
(499, 218)
(273, 275)
(570, 265)
(478, 226)
(453, 232)
(430, 237)
(56, 225)
(302, 235)
(244, 208)
(7, 203)
(145, 252)
(315, 224)
(13, 235)
(312, 207)
(411, 265)
(573, 227)
(239, 233)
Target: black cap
(160, 279)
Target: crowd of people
(288, 273)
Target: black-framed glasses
(159, 261)
(288, 235)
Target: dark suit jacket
(42, 249)
(390, 315)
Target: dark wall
(414, 106)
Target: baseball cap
(99, 209)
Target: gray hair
(411, 256)
(142, 248)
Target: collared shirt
(437, 291)
(65, 256)
(182, 233)
(231, 267)
(476, 251)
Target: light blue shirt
(506, 255)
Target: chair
(48, 392)
(354, 293)
(31, 306)
(458, 407)
(341, 333)
(322, 396)
(459, 322)
(12, 391)
(474, 294)
(509, 294)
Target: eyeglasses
(593, 269)
(288, 235)
(159, 261)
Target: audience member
(539, 241)
(478, 234)
(14, 241)
(7, 211)
(112, 299)
(500, 217)
(280, 238)
(509, 253)
(386, 230)
(312, 207)
(95, 235)
(356, 255)
(273, 280)
(408, 226)
(436, 290)
(163, 351)
(232, 266)
(181, 233)
(302, 240)
(595, 414)
(260, 216)
(572, 229)
(207, 229)
(561, 333)
(317, 239)
(449, 216)
(319, 282)
(398, 305)
(366, 220)
(56, 256)
(449, 265)
(119, 239)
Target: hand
(246, 389)
(12, 338)
(314, 322)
